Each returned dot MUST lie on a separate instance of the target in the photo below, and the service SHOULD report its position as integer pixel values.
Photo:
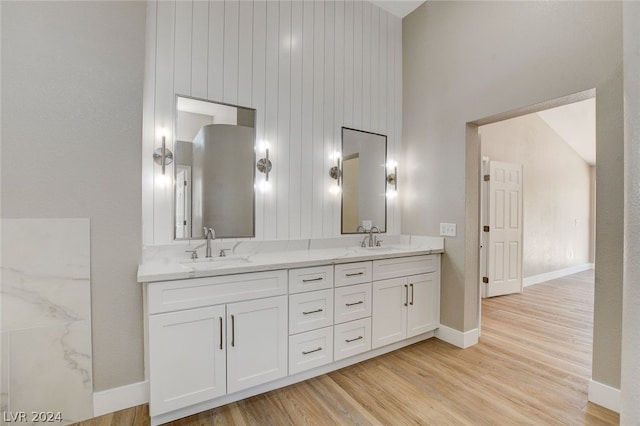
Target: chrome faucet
(372, 238)
(209, 234)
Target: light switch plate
(447, 229)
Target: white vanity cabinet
(218, 339)
(256, 342)
(199, 353)
(310, 318)
(352, 330)
(188, 362)
(406, 305)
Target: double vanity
(224, 328)
(254, 312)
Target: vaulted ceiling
(576, 124)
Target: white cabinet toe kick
(215, 340)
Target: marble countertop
(173, 269)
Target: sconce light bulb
(392, 164)
(164, 180)
(265, 186)
(164, 132)
(392, 194)
(337, 155)
(263, 146)
(335, 189)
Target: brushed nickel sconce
(336, 172)
(264, 164)
(163, 156)
(392, 177)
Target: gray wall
(630, 388)
(464, 61)
(556, 192)
(72, 78)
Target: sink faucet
(209, 234)
(370, 240)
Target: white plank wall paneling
(308, 68)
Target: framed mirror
(364, 180)
(214, 169)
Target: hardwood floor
(531, 367)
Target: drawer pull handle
(355, 274)
(311, 351)
(406, 291)
(360, 302)
(312, 279)
(312, 312)
(220, 333)
(353, 340)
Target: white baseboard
(117, 399)
(605, 396)
(457, 338)
(537, 279)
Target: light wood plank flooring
(531, 367)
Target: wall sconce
(336, 172)
(264, 164)
(163, 156)
(392, 175)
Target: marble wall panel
(46, 318)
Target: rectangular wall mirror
(214, 169)
(364, 180)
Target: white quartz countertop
(173, 269)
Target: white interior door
(503, 229)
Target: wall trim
(117, 399)
(457, 338)
(537, 279)
(604, 395)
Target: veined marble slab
(268, 255)
(46, 318)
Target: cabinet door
(187, 362)
(257, 342)
(424, 302)
(389, 314)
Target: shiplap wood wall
(307, 67)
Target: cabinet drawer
(352, 273)
(352, 338)
(308, 311)
(166, 296)
(310, 349)
(352, 302)
(308, 279)
(405, 266)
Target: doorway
(552, 229)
